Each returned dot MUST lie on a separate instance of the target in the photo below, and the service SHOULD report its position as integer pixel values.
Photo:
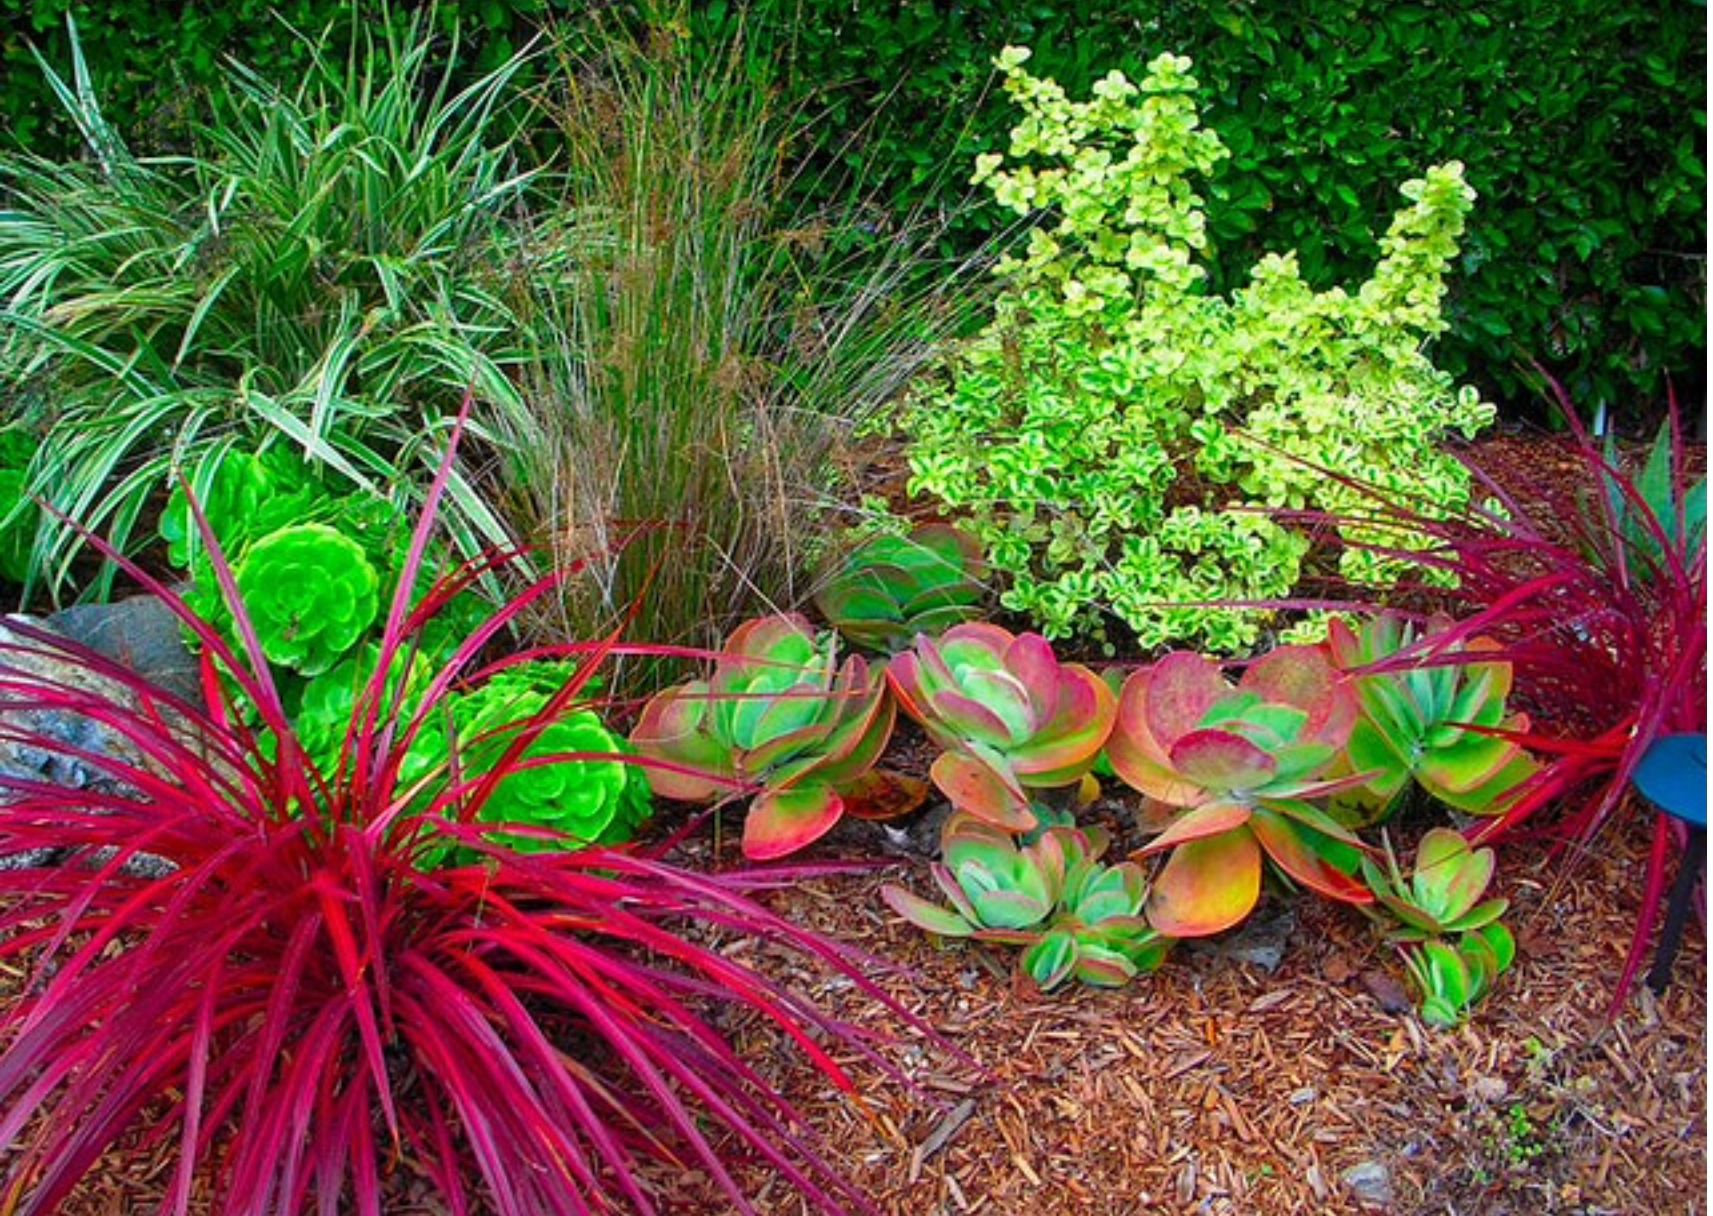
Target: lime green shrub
(1117, 433)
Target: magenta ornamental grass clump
(293, 1004)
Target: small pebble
(1370, 1182)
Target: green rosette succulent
(1413, 723)
(331, 701)
(1450, 979)
(781, 714)
(890, 588)
(248, 496)
(1443, 893)
(599, 798)
(310, 594)
(1076, 917)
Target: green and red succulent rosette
(781, 716)
(1236, 768)
(1011, 717)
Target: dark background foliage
(1582, 123)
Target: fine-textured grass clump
(705, 349)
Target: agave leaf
(783, 821)
(1501, 942)
(1445, 976)
(1214, 819)
(1182, 687)
(1465, 764)
(1311, 816)
(978, 720)
(671, 730)
(1010, 909)
(965, 838)
(1449, 875)
(925, 915)
(1207, 886)
(1030, 662)
(972, 785)
(1496, 795)
(1139, 758)
(1103, 967)
(881, 794)
(954, 892)
(1372, 751)
(1067, 744)
(1302, 677)
(1441, 1012)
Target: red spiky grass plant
(299, 1007)
(1602, 609)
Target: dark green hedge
(1582, 123)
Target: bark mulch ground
(1219, 1086)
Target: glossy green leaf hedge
(1582, 123)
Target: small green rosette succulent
(890, 588)
(310, 594)
(248, 496)
(1450, 978)
(599, 797)
(1075, 916)
(1442, 895)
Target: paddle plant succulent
(889, 589)
(779, 715)
(1442, 895)
(1012, 717)
(1425, 713)
(1450, 978)
(295, 1015)
(1239, 765)
(1077, 917)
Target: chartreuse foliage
(1239, 766)
(1076, 917)
(1582, 123)
(289, 1011)
(779, 716)
(1116, 434)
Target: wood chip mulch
(1217, 1087)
